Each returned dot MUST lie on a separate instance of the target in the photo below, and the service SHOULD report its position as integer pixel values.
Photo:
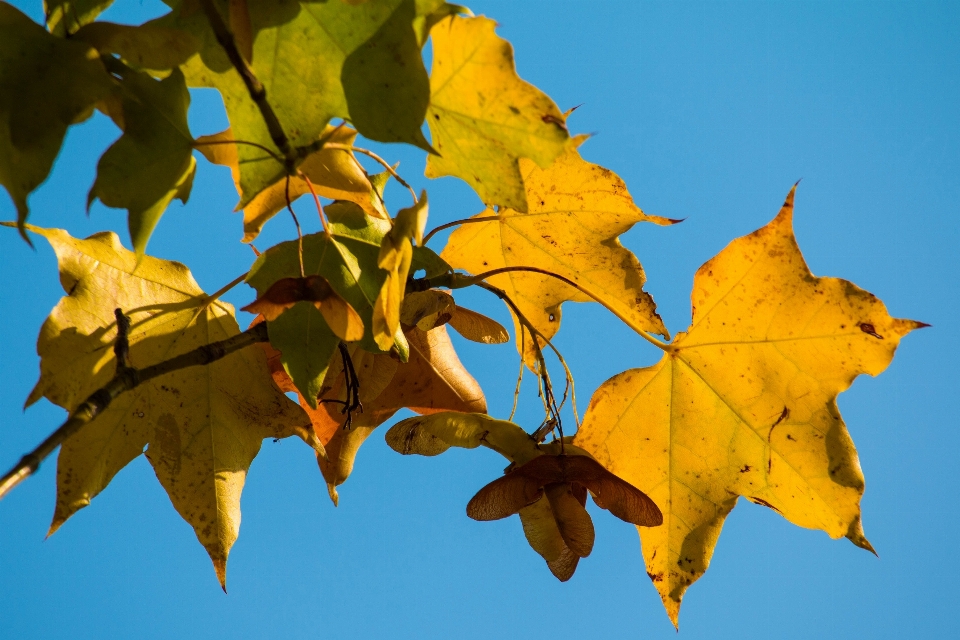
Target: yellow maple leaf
(744, 404)
(483, 117)
(335, 174)
(577, 211)
(202, 426)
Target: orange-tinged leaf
(334, 173)
(432, 380)
(744, 404)
(577, 211)
(286, 292)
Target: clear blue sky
(710, 112)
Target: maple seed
(286, 292)
(526, 484)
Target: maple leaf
(546, 484)
(152, 163)
(744, 404)
(431, 381)
(335, 174)
(145, 46)
(577, 211)
(307, 339)
(46, 84)
(483, 118)
(202, 426)
(317, 61)
(395, 257)
(67, 16)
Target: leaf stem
(209, 143)
(644, 334)
(126, 378)
(383, 163)
(427, 237)
(286, 193)
(316, 200)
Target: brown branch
(126, 378)
(255, 88)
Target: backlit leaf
(578, 210)
(202, 426)
(144, 47)
(744, 404)
(152, 163)
(67, 16)
(432, 380)
(483, 117)
(334, 173)
(395, 257)
(46, 84)
(317, 61)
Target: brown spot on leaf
(869, 329)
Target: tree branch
(126, 378)
(258, 92)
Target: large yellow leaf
(744, 404)
(577, 212)
(483, 117)
(203, 425)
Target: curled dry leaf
(432, 308)
(396, 255)
(343, 320)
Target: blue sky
(710, 111)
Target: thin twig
(384, 163)
(427, 237)
(208, 143)
(126, 378)
(255, 88)
(316, 200)
(286, 193)
(646, 336)
(516, 390)
(534, 333)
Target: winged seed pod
(547, 488)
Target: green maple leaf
(152, 163)
(317, 61)
(46, 84)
